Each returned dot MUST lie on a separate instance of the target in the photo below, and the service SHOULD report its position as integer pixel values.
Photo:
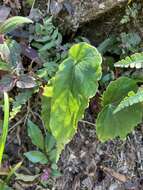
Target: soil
(88, 164)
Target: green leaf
(53, 155)
(35, 134)
(56, 173)
(46, 105)
(3, 186)
(106, 44)
(5, 126)
(12, 23)
(110, 125)
(130, 100)
(50, 142)
(36, 157)
(117, 90)
(4, 66)
(75, 82)
(134, 61)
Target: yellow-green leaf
(75, 82)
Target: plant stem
(5, 126)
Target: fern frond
(133, 61)
(132, 99)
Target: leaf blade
(36, 157)
(11, 23)
(35, 134)
(74, 83)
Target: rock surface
(74, 13)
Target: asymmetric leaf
(109, 124)
(75, 82)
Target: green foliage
(131, 13)
(4, 66)
(3, 186)
(48, 41)
(12, 23)
(5, 126)
(129, 42)
(35, 134)
(36, 157)
(47, 144)
(73, 85)
(50, 143)
(131, 99)
(121, 45)
(133, 61)
(106, 44)
(19, 101)
(109, 124)
(69, 88)
(46, 105)
(117, 90)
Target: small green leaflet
(134, 61)
(36, 157)
(110, 125)
(12, 23)
(35, 134)
(129, 101)
(74, 83)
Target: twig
(41, 121)
(87, 122)
(12, 127)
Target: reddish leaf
(7, 83)
(30, 53)
(26, 81)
